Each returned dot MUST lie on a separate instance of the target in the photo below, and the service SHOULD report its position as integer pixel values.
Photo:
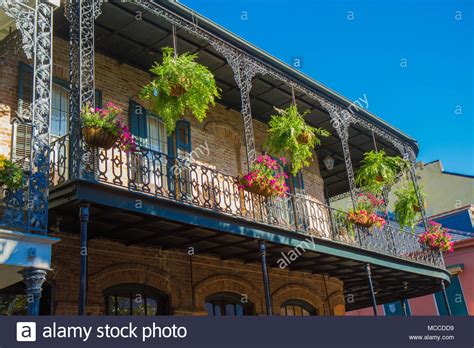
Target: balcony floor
(136, 218)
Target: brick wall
(112, 263)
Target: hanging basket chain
(175, 42)
(375, 143)
(293, 95)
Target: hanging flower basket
(256, 188)
(416, 207)
(102, 129)
(305, 137)
(181, 86)
(177, 90)
(264, 179)
(99, 137)
(379, 178)
(360, 220)
(436, 238)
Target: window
(227, 304)
(135, 299)
(157, 140)
(297, 308)
(59, 110)
(13, 300)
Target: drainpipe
(266, 281)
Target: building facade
(166, 231)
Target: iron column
(445, 297)
(266, 281)
(84, 219)
(371, 288)
(404, 308)
(33, 279)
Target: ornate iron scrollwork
(35, 25)
(24, 17)
(81, 16)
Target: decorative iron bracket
(24, 17)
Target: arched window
(228, 304)
(13, 300)
(297, 308)
(135, 299)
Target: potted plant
(181, 85)
(364, 214)
(289, 135)
(378, 169)
(264, 178)
(436, 238)
(407, 206)
(101, 128)
(11, 174)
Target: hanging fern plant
(407, 207)
(290, 136)
(181, 85)
(378, 169)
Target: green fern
(198, 82)
(283, 132)
(405, 206)
(378, 169)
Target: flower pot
(177, 90)
(98, 137)
(305, 137)
(416, 207)
(260, 190)
(362, 221)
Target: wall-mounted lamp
(329, 162)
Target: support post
(81, 16)
(445, 298)
(266, 281)
(33, 279)
(404, 307)
(371, 288)
(84, 219)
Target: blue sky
(413, 59)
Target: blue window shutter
(138, 124)
(98, 98)
(456, 299)
(183, 136)
(298, 181)
(395, 309)
(171, 151)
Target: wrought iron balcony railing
(160, 175)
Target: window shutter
(183, 136)
(98, 98)
(138, 126)
(298, 182)
(22, 128)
